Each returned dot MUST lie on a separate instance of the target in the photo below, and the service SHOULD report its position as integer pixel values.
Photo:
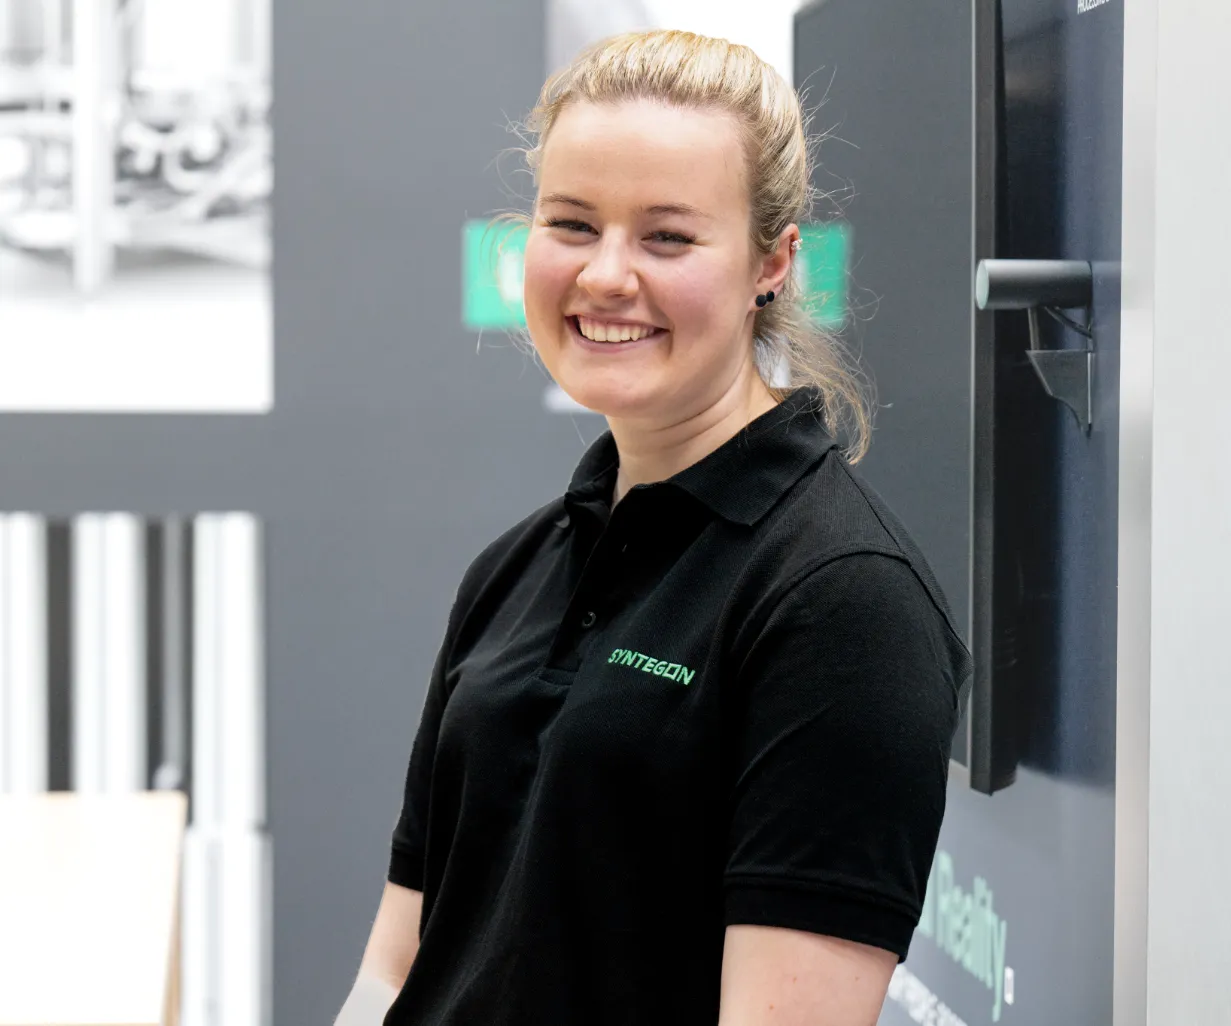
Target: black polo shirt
(728, 700)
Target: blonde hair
(692, 71)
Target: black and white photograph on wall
(135, 183)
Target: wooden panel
(89, 895)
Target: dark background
(897, 76)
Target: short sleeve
(849, 701)
(410, 832)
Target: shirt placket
(599, 593)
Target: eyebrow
(658, 208)
(675, 208)
(572, 201)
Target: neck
(653, 451)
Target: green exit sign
(493, 272)
(821, 271)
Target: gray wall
(1185, 280)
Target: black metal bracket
(1050, 286)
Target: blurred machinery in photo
(130, 125)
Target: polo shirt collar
(743, 478)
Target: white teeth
(599, 331)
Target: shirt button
(589, 620)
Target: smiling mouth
(612, 333)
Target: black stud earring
(768, 297)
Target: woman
(683, 755)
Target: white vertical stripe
(242, 777)
(25, 656)
(123, 649)
(109, 693)
(228, 674)
(241, 684)
(243, 895)
(1139, 199)
(207, 745)
(87, 655)
(202, 944)
(197, 934)
(227, 905)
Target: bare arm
(391, 948)
(786, 977)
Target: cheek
(700, 296)
(550, 270)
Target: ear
(776, 267)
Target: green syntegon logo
(965, 925)
(658, 667)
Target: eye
(568, 224)
(674, 237)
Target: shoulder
(873, 595)
(860, 638)
(837, 506)
(837, 572)
(834, 515)
(874, 608)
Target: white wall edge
(1135, 512)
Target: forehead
(645, 153)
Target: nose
(609, 271)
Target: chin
(613, 399)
